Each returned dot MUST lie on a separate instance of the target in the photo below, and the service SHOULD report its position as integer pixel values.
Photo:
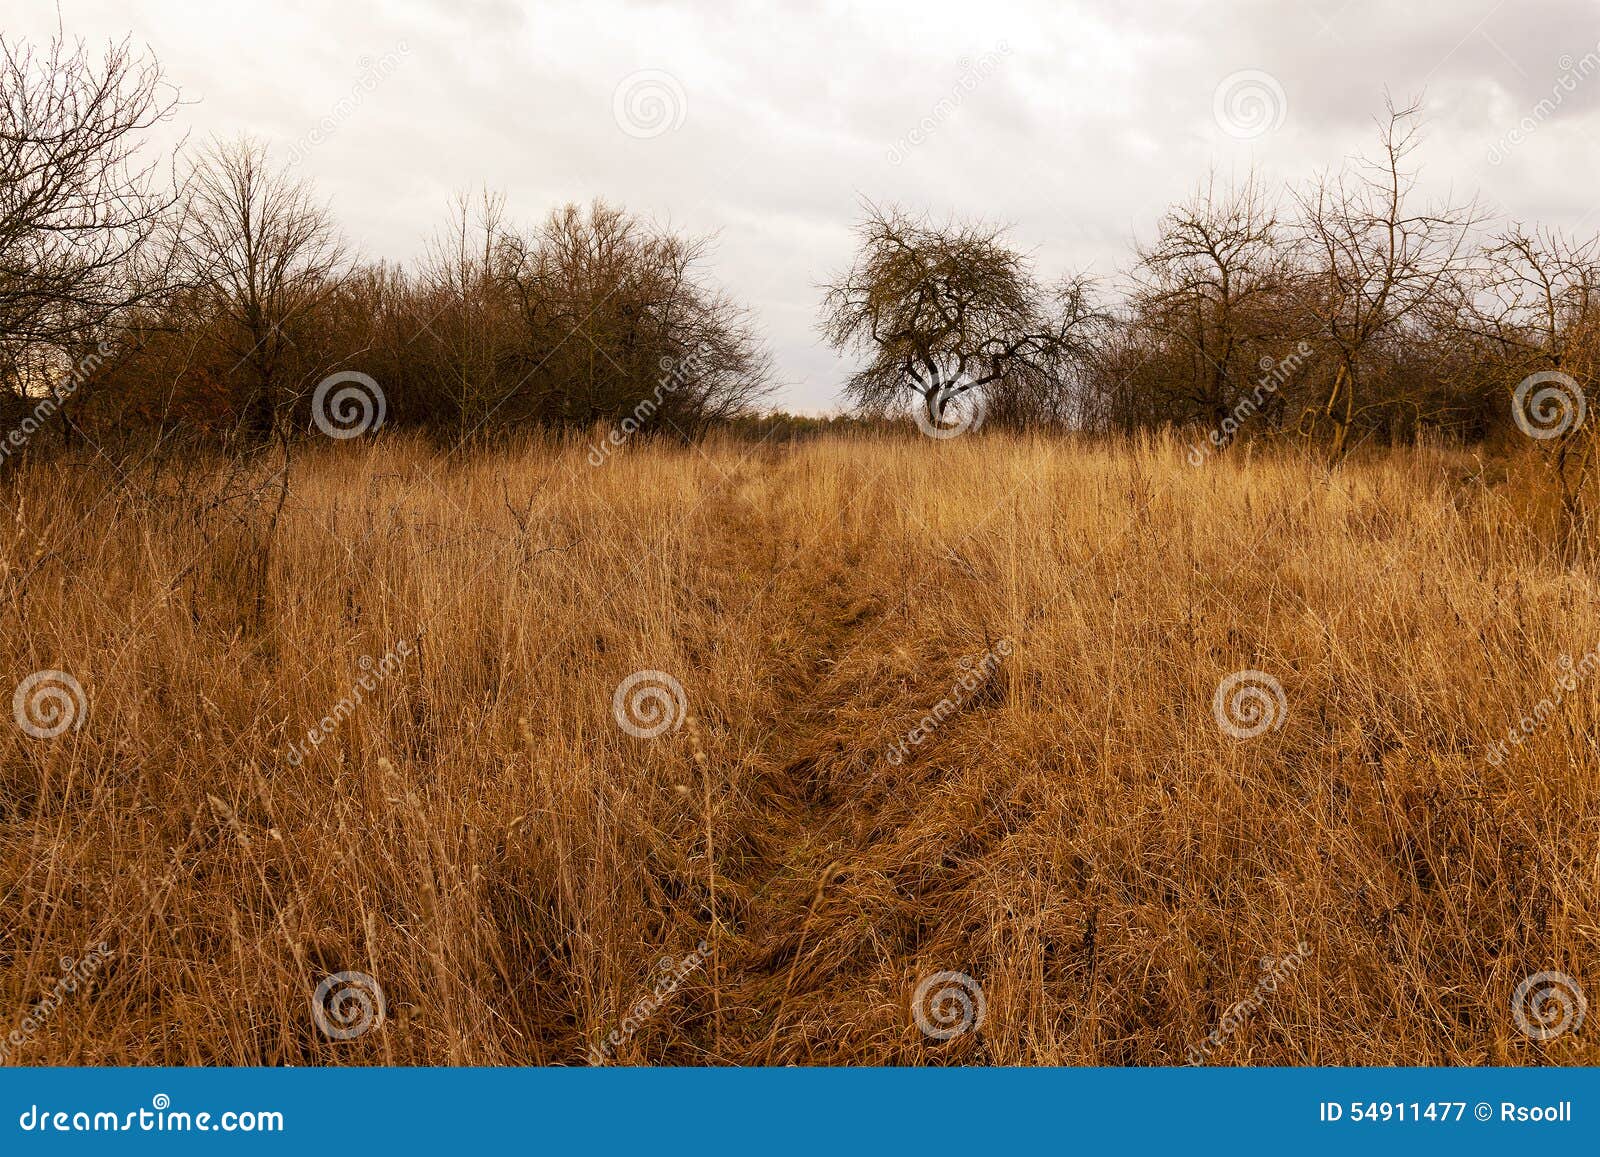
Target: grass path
(777, 885)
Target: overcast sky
(768, 123)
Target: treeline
(1344, 309)
(209, 294)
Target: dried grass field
(999, 707)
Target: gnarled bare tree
(942, 311)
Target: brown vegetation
(1078, 835)
(289, 706)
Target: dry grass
(1080, 836)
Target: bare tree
(468, 312)
(1538, 308)
(262, 256)
(1539, 300)
(1373, 264)
(1214, 285)
(80, 195)
(943, 311)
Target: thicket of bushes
(208, 295)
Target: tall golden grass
(1077, 834)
